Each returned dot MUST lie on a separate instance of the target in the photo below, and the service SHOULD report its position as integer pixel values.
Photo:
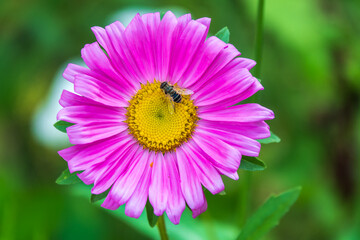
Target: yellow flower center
(153, 124)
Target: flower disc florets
(153, 125)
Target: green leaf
(97, 197)
(62, 125)
(152, 218)
(268, 215)
(223, 34)
(67, 178)
(272, 139)
(252, 164)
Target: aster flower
(126, 139)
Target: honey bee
(174, 94)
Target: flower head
(141, 142)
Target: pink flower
(127, 138)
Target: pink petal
(100, 92)
(254, 130)
(109, 40)
(68, 99)
(98, 62)
(250, 112)
(80, 157)
(159, 187)
(103, 39)
(86, 114)
(205, 21)
(251, 90)
(135, 205)
(176, 202)
(110, 203)
(222, 155)
(226, 55)
(197, 212)
(114, 165)
(201, 61)
(190, 184)
(226, 84)
(152, 22)
(245, 63)
(125, 185)
(91, 132)
(182, 23)
(126, 63)
(138, 42)
(72, 70)
(88, 176)
(163, 44)
(207, 174)
(186, 46)
(245, 145)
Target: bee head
(163, 85)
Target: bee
(174, 94)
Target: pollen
(152, 123)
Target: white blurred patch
(45, 115)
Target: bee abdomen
(177, 98)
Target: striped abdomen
(168, 89)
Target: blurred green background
(311, 75)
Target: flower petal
(231, 100)
(109, 40)
(176, 202)
(207, 174)
(135, 205)
(250, 112)
(227, 84)
(159, 187)
(86, 114)
(201, 61)
(72, 70)
(197, 212)
(254, 130)
(245, 145)
(110, 203)
(228, 53)
(81, 157)
(125, 185)
(88, 176)
(138, 42)
(91, 132)
(190, 184)
(163, 44)
(114, 165)
(126, 64)
(68, 99)
(152, 22)
(222, 155)
(98, 62)
(100, 92)
(205, 21)
(185, 47)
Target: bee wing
(170, 104)
(183, 91)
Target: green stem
(162, 228)
(259, 38)
(244, 197)
(244, 194)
